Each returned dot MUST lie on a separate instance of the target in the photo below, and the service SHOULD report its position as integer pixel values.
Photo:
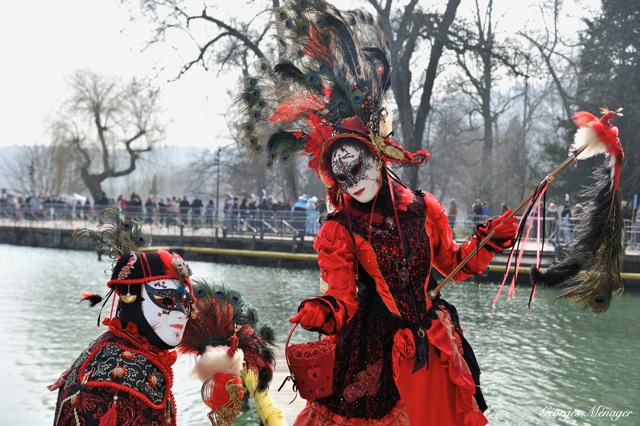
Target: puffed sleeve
(447, 254)
(336, 259)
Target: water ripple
(539, 365)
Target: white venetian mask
(166, 307)
(356, 173)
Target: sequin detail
(126, 270)
(367, 382)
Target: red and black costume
(120, 367)
(376, 315)
(400, 355)
(125, 376)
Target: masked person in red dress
(400, 355)
(125, 376)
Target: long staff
(596, 252)
(572, 159)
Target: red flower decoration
(119, 372)
(153, 380)
(127, 355)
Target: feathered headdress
(121, 239)
(591, 267)
(329, 84)
(116, 235)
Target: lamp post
(216, 162)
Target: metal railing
(281, 224)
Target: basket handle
(286, 345)
(286, 357)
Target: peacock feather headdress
(117, 235)
(121, 239)
(328, 84)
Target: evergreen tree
(610, 75)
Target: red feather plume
(224, 319)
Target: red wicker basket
(311, 366)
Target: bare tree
(40, 169)
(479, 56)
(407, 28)
(233, 42)
(221, 42)
(107, 124)
(554, 53)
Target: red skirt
(443, 394)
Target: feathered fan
(333, 65)
(592, 264)
(229, 345)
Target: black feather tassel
(591, 267)
(93, 299)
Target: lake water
(553, 364)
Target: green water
(553, 364)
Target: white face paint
(166, 308)
(356, 172)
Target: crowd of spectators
(39, 207)
(304, 216)
(237, 215)
(241, 214)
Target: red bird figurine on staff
(601, 137)
(591, 267)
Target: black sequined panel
(112, 360)
(385, 240)
(363, 378)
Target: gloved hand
(505, 235)
(311, 316)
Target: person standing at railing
(299, 216)
(149, 210)
(477, 211)
(452, 214)
(322, 211)
(172, 210)
(243, 214)
(101, 202)
(162, 212)
(229, 210)
(552, 216)
(312, 216)
(196, 212)
(209, 212)
(185, 206)
(122, 203)
(565, 220)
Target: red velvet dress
(119, 363)
(378, 295)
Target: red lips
(178, 326)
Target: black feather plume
(591, 267)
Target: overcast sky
(42, 42)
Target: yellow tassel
(269, 415)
